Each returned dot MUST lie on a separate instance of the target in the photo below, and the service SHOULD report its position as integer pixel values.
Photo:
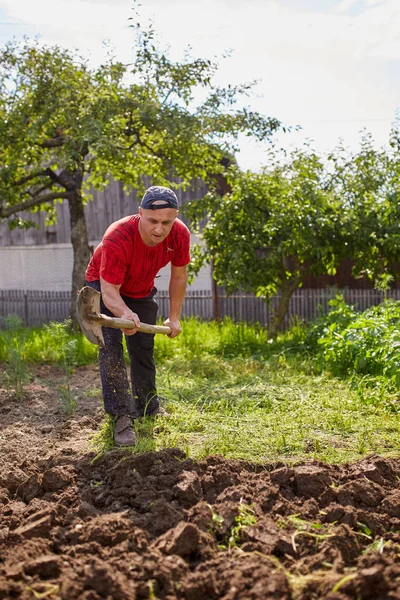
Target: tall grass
(16, 373)
(45, 345)
(225, 340)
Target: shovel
(91, 321)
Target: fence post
(216, 301)
(215, 294)
(26, 308)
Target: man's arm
(177, 291)
(112, 299)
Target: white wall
(50, 268)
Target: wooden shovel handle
(116, 323)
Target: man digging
(123, 268)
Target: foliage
(43, 345)
(66, 127)
(61, 116)
(367, 343)
(272, 229)
(68, 352)
(268, 218)
(339, 316)
(244, 518)
(15, 374)
(368, 183)
(303, 216)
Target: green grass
(272, 410)
(233, 392)
(45, 345)
(265, 410)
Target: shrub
(367, 343)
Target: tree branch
(41, 173)
(145, 145)
(48, 172)
(54, 142)
(11, 210)
(37, 192)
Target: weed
(67, 349)
(67, 399)
(93, 392)
(368, 343)
(16, 374)
(152, 584)
(377, 546)
(103, 440)
(96, 483)
(216, 521)
(304, 528)
(244, 518)
(365, 531)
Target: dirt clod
(162, 526)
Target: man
(123, 268)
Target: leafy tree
(369, 184)
(66, 126)
(272, 229)
(304, 216)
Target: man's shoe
(124, 434)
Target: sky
(331, 67)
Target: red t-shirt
(122, 258)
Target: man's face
(155, 225)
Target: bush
(368, 343)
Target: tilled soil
(161, 526)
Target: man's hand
(175, 326)
(112, 299)
(131, 316)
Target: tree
(304, 216)
(369, 184)
(271, 230)
(66, 126)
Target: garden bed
(74, 524)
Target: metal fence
(37, 307)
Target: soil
(160, 525)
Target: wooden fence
(38, 307)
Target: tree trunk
(287, 290)
(80, 244)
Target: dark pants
(118, 398)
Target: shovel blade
(88, 303)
